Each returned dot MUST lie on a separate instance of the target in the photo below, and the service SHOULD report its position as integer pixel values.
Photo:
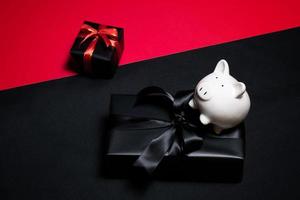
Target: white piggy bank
(221, 99)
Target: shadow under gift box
(104, 61)
(219, 159)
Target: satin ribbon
(108, 35)
(179, 136)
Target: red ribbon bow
(108, 35)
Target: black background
(50, 133)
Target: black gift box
(105, 59)
(220, 158)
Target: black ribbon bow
(180, 135)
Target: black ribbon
(180, 134)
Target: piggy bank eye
(222, 85)
(216, 77)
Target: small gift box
(160, 134)
(98, 49)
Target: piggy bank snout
(204, 92)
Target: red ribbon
(108, 35)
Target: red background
(36, 35)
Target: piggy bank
(221, 99)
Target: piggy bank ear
(222, 67)
(239, 89)
(192, 104)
